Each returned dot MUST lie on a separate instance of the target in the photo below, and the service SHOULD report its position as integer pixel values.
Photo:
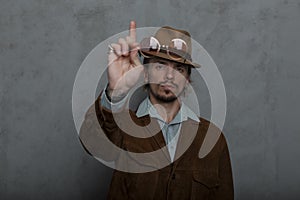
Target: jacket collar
(146, 108)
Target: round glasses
(177, 48)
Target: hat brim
(167, 57)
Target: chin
(162, 95)
(165, 98)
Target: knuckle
(128, 38)
(121, 40)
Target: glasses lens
(154, 44)
(178, 44)
(177, 49)
(149, 44)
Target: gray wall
(255, 44)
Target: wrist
(114, 95)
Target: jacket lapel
(153, 129)
(187, 135)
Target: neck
(167, 110)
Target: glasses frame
(173, 53)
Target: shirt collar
(146, 108)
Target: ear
(188, 80)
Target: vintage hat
(169, 43)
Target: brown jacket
(188, 177)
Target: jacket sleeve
(99, 134)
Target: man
(161, 159)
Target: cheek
(155, 78)
(183, 81)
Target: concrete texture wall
(42, 44)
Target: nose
(170, 73)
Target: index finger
(132, 30)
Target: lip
(167, 86)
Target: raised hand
(124, 66)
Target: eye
(160, 67)
(180, 69)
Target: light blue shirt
(171, 131)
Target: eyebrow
(160, 61)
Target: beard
(162, 98)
